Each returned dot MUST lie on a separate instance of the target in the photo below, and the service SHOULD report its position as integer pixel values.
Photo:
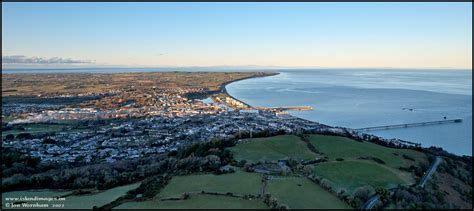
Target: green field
(238, 182)
(43, 128)
(353, 174)
(339, 147)
(98, 199)
(75, 202)
(300, 193)
(197, 202)
(272, 148)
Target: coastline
(434, 150)
(224, 90)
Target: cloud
(20, 59)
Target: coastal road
(371, 202)
(430, 171)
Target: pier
(286, 108)
(410, 125)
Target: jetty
(286, 108)
(385, 127)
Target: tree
(24, 136)
(49, 140)
(307, 170)
(32, 161)
(185, 196)
(362, 194)
(241, 163)
(284, 207)
(273, 203)
(382, 192)
(342, 193)
(9, 137)
(266, 198)
(326, 184)
(248, 168)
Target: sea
(359, 98)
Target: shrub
(241, 163)
(185, 196)
(326, 184)
(383, 193)
(24, 136)
(9, 137)
(307, 170)
(362, 194)
(342, 193)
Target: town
(134, 138)
(142, 121)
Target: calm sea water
(363, 98)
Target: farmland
(273, 148)
(83, 83)
(300, 193)
(340, 147)
(353, 174)
(72, 201)
(239, 182)
(354, 164)
(343, 168)
(197, 202)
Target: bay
(358, 98)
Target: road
(430, 172)
(372, 200)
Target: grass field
(300, 193)
(238, 182)
(353, 174)
(197, 202)
(273, 148)
(74, 202)
(339, 147)
(39, 128)
(98, 199)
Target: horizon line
(27, 67)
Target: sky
(358, 35)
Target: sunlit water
(362, 98)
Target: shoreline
(224, 90)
